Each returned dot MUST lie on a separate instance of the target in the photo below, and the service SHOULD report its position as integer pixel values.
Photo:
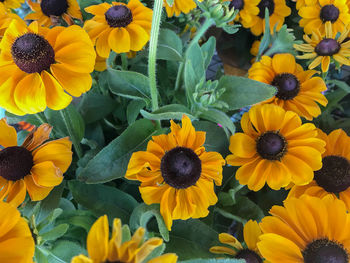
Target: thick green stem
(152, 57)
(206, 25)
(125, 63)
(72, 135)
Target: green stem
(230, 216)
(179, 75)
(206, 25)
(41, 117)
(125, 63)
(157, 14)
(73, 137)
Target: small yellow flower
(101, 249)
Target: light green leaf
(169, 46)
(168, 112)
(219, 117)
(55, 232)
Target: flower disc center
(15, 163)
(237, 4)
(249, 256)
(271, 145)
(32, 53)
(118, 16)
(329, 13)
(327, 47)
(334, 176)
(181, 167)
(269, 4)
(54, 7)
(325, 251)
(287, 84)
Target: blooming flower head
(324, 48)
(33, 167)
(247, 9)
(16, 241)
(119, 27)
(306, 230)
(275, 148)
(101, 249)
(177, 173)
(250, 252)
(314, 14)
(179, 6)
(48, 12)
(297, 90)
(39, 65)
(334, 176)
(278, 10)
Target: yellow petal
(97, 240)
(8, 136)
(47, 174)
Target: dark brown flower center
(269, 4)
(329, 13)
(15, 163)
(327, 47)
(325, 251)
(249, 255)
(32, 53)
(54, 7)
(287, 84)
(181, 167)
(271, 145)
(118, 16)
(237, 4)
(334, 176)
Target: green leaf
(195, 55)
(341, 84)
(112, 161)
(241, 92)
(168, 112)
(190, 79)
(170, 2)
(49, 219)
(55, 232)
(219, 117)
(143, 214)
(95, 106)
(208, 50)
(43, 255)
(169, 46)
(266, 40)
(129, 84)
(133, 110)
(80, 218)
(102, 199)
(213, 260)
(67, 249)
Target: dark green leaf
(341, 84)
(133, 110)
(219, 117)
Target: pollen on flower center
(118, 16)
(181, 167)
(329, 13)
(325, 251)
(327, 47)
(269, 4)
(54, 7)
(15, 163)
(271, 145)
(287, 84)
(32, 53)
(334, 176)
(249, 256)
(237, 4)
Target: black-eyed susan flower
(249, 251)
(324, 48)
(177, 173)
(179, 6)
(334, 176)
(101, 249)
(246, 8)
(12, 4)
(314, 14)
(39, 65)
(33, 167)
(297, 90)
(278, 10)
(275, 148)
(48, 12)
(306, 230)
(16, 241)
(119, 27)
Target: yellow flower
(306, 230)
(250, 253)
(179, 6)
(16, 241)
(275, 148)
(178, 173)
(254, 50)
(100, 64)
(38, 65)
(334, 177)
(324, 47)
(119, 27)
(314, 14)
(299, 3)
(5, 19)
(101, 249)
(247, 8)
(297, 90)
(254, 20)
(12, 4)
(33, 167)
(48, 12)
